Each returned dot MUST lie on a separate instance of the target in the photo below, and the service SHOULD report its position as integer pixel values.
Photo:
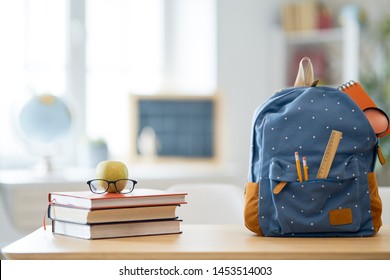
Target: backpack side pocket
(375, 200)
(251, 208)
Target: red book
(139, 197)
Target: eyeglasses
(101, 186)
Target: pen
(298, 164)
(305, 169)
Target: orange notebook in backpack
(377, 118)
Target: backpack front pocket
(315, 205)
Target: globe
(44, 119)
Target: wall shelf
(334, 53)
(314, 36)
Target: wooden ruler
(329, 154)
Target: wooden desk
(200, 242)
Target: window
(124, 54)
(124, 46)
(144, 47)
(33, 61)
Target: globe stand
(44, 166)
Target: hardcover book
(114, 230)
(139, 197)
(88, 216)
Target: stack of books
(93, 216)
(305, 15)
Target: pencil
(298, 164)
(305, 169)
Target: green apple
(111, 170)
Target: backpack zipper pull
(381, 157)
(314, 84)
(279, 187)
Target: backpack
(301, 119)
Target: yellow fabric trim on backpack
(251, 208)
(376, 202)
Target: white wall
(242, 62)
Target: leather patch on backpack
(338, 217)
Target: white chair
(384, 193)
(211, 203)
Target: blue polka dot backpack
(312, 161)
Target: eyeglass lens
(121, 186)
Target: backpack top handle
(305, 76)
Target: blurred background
(167, 86)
